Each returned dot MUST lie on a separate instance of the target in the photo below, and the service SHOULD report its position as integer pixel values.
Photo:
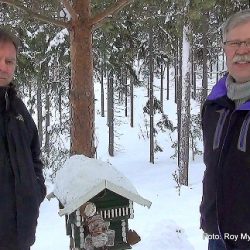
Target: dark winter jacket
(22, 182)
(225, 206)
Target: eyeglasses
(237, 44)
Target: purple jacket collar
(220, 90)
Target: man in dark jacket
(225, 206)
(22, 186)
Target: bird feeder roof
(82, 178)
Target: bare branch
(70, 9)
(99, 18)
(36, 15)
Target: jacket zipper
(219, 169)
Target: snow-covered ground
(172, 222)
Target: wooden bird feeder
(97, 202)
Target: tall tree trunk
(60, 107)
(111, 113)
(193, 74)
(205, 57)
(168, 79)
(151, 94)
(211, 69)
(39, 111)
(148, 86)
(102, 89)
(192, 145)
(30, 100)
(179, 98)
(195, 79)
(82, 89)
(217, 68)
(119, 74)
(176, 71)
(47, 120)
(126, 92)
(185, 110)
(161, 91)
(131, 102)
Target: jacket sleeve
(35, 150)
(38, 165)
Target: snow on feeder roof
(81, 178)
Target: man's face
(7, 62)
(238, 58)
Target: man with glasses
(225, 206)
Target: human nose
(243, 48)
(2, 65)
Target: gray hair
(236, 19)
